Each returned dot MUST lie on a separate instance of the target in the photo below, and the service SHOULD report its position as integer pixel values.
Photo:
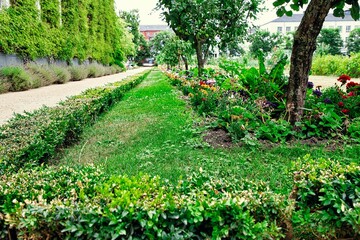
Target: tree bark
(199, 56)
(185, 62)
(302, 53)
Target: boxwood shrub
(31, 138)
(84, 203)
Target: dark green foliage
(264, 41)
(353, 42)
(327, 199)
(331, 38)
(32, 137)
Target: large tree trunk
(302, 53)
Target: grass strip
(153, 131)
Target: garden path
(18, 102)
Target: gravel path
(18, 102)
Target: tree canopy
(264, 41)
(353, 42)
(331, 38)
(207, 23)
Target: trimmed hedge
(31, 138)
(85, 203)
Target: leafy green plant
(20, 80)
(327, 199)
(78, 73)
(62, 74)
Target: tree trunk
(185, 62)
(199, 56)
(302, 53)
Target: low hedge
(31, 138)
(85, 203)
(21, 78)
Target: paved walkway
(18, 102)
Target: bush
(336, 65)
(78, 73)
(96, 70)
(42, 74)
(5, 85)
(32, 138)
(70, 203)
(327, 199)
(62, 74)
(20, 80)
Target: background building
(149, 31)
(287, 24)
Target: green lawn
(152, 130)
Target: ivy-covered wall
(64, 29)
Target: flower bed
(250, 104)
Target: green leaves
(29, 139)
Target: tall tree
(353, 42)
(205, 23)
(170, 50)
(132, 18)
(331, 37)
(305, 44)
(264, 41)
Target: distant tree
(143, 50)
(264, 41)
(170, 50)
(132, 19)
(305, 44)
(232, 48)
(331, 37)
(353, 42)
(205, 23)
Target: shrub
(19, 79)
(42, 74)
(96, 70)
(78, 73)
(72, 203)
(327, 199)
(62, 74)
(5, 85)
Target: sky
(148, 16)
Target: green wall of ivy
(66, 29)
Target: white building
(287, 24)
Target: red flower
(344, 97)
(341, 104)
(345, 111)
(344, 78)
(351, 94)
(203, 99)
(202, 83)
(351, 85)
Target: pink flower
(351, 94)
